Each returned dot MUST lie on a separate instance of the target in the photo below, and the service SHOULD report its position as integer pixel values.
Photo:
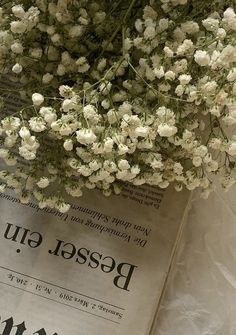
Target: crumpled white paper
(201, 292)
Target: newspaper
(98, 269)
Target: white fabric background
(201, 293)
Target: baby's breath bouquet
(138, 91)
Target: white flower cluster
(153, 103)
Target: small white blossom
(43, 182)
(66, 91)
(17, 68)
(108, 144)
(232, 75)
(68, 105)
(185, 47)
(37, 124)
(68, 145)
(211, 24)
(82, 64)
(141, 131)
(170, 75)
(2, 188)
(47, 77)
(229, 14)
(232, 149)
(18, 11)
(76, 31)
(24, 132)
(184, 79)
(216, 143)
(168, 52)
(190, 27)
(159, 72)
(221, 33)
(4, 153)
(11, 123)
(37, 99)
(36, 53)
(26, 153)
(179, 90)
(197, 161)
(63, 207)
(49, 114)
(123, 164)
(18, 27)
(17, 48)
(202, 58)
(85, 136)
(165, 130)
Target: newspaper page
(98, 269)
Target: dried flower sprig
(151, 100)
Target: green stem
(119, 27)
